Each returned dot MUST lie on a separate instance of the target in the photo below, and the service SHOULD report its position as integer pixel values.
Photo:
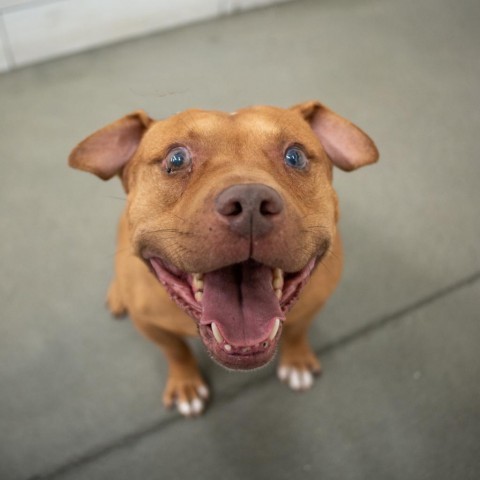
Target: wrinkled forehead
(267, 125)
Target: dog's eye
(177, 159)
(294, 157)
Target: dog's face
(231, 212)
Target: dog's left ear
(346, 145)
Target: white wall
(36, 30)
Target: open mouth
(239, 309)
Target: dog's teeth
(278, 283)
(277, 273)
(198, 296)
(197, 284)
(216, 333)
(227, 347)
(275, 328)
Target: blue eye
(178, 159)
(294, 157)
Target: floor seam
(97, 453)
(375, 325)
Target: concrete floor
(400, 397)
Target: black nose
(250, 209)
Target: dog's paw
(298, 365)
(189, 396)
(299, 373)
(297, 379)
(114, 301)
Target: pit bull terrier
(229, 233)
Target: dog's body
(235, 216)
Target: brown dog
(229, 233)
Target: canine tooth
(275, 328)
(278, 293)
(216, 333)
(227, 347)
(198, 296)
(198, 276)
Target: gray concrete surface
(80, 393)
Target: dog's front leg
(185, 387)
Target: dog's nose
(249, 209)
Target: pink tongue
(241, 301)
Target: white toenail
(307, 379)
(197, 405)
(283, 373)
(203, 391)
(295, 379)
(184, 408)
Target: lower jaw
(240, 358)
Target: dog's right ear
(106, 152)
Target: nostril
(268, 208)
(236, 208)
(231, 209)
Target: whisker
(332, 253)
(324, 265)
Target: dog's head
(231, 212)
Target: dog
(229, 233)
